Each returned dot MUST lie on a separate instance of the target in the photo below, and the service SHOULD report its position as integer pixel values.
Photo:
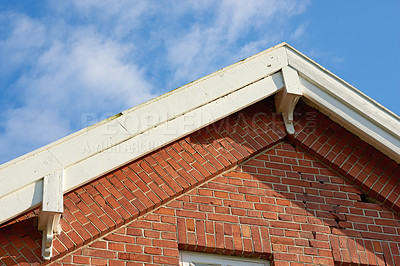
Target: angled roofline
(91, 152)
(346, 105)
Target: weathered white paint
(112, 155)
(287, 99)
(35, 167)
(21, 200)
(172, 130)
(71, 149)
(111, 143)
(342, 92)
(52, 192)
(352, 120)
(52, 222)
(52, 208)
(347, 105)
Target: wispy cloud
(234, 30)
(102, 57)
(69, 74)
(299, 32)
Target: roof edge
(107, 145)
(111, 143)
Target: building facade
(291, 175)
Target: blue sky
(66, 64)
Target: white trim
(340, 91)
(100, 148)
(348, 106)
(352, 120)
(170, 131)
(51, 227)
(110, 144)
(124, 152)
(286, 100)
(52, 208)
(190, 258)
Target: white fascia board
(158, 111)
(15, 176)
(353, 121)
(111, 158)
(107, 145)
(80, 154)
(21, 200)
(347, 105)
(205, 90)
(165, 133)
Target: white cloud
(299, 32)
(116, 18)
(86, 72)
(338, 59)
(29, 128)
(102, 57)
(235, 29)
(78, 71)
(20, 46)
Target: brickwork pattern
(127, 193)
(360, 163)
(289, 200)
(281, 205)
(284, 204)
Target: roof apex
(109, 144)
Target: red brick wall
(240, 186)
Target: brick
(240, 212)
(253, 221)
(222, 217)
(286, 225)
(134, 257)
(99, 244)
(97, 261)
(119, 238)
(81, 260)
(166, 260)
(99, 253)
(219, 236)
(282, 240)
(153, 250)
(164, 243)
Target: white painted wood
(291, 80)
(27, 171)
(345, 93)
(276, 60)
(21, 200)
(166, 133)
(353, 109)
(52, 225)
(74, 148)
(109, 158)
(189, 258)
(53, 192)
(111, 143)
(52, 208)
(355, 122)
(287, 99)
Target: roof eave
(98, 149)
